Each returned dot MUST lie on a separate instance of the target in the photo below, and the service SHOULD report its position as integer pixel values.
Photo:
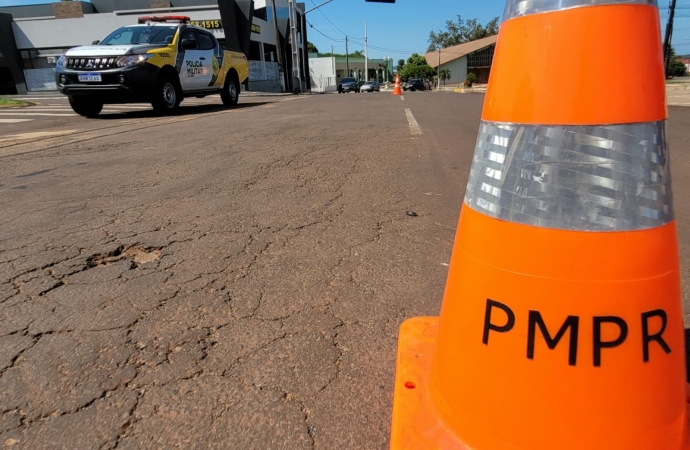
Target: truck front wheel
(231, 91)
(85, 106)
(168, 95)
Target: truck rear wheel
(85, 106)
(168, 95)
(231, 91)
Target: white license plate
(90, 77)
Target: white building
(327, 71)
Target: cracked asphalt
(230, 278)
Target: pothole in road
(137, 253)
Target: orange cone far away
(561, 325)
(396, 90)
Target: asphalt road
(230, 278)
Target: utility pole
(347, 57)
(296, 64)
(335, 75)
(669, 33)
(438, 69)
(279, 53)
(305, 52)
(366, 54)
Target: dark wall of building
(301, 19)
(12, 57)
(106, 6)
(240, 13)
(96, 6)
(21, 12)
(482, 73)
(261, 13)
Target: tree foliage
(444, 74)
(461, 31)
(311, 48)
(675, 67)
(416, 67)
(401, 64)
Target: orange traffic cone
(397, 90)
(561, 325)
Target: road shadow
(188, 110)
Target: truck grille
(91, 63)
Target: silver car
(370, 86)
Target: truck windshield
(140, 35)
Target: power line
(388, 50)
(329, 20)
(357, 41)
(322, 34)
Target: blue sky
(403, 27)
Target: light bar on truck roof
(180, 19)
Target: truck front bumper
(122, 85)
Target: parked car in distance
(414, 85)
(348, 84)
(370, 86)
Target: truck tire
(231, 91)
(85, 106)
(168, 95)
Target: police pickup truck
(161, 60)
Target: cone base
(397, 93)
(417, 424)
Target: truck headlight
(132, 60)
(61, 62)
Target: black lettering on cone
(488, 326)
(599, 344)
(647, 338)
(572, 322)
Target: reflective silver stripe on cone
(588, 178)
(516, 8)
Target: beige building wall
(458, 71)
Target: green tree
(401, 64)
(311, 48)
(355, 54)
(416, 67)
(461, 31)
(444, 74)
(675, 67)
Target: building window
(254, 51)
(481, 58)
(261, 14)
(270, 53)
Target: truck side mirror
(96, 42)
